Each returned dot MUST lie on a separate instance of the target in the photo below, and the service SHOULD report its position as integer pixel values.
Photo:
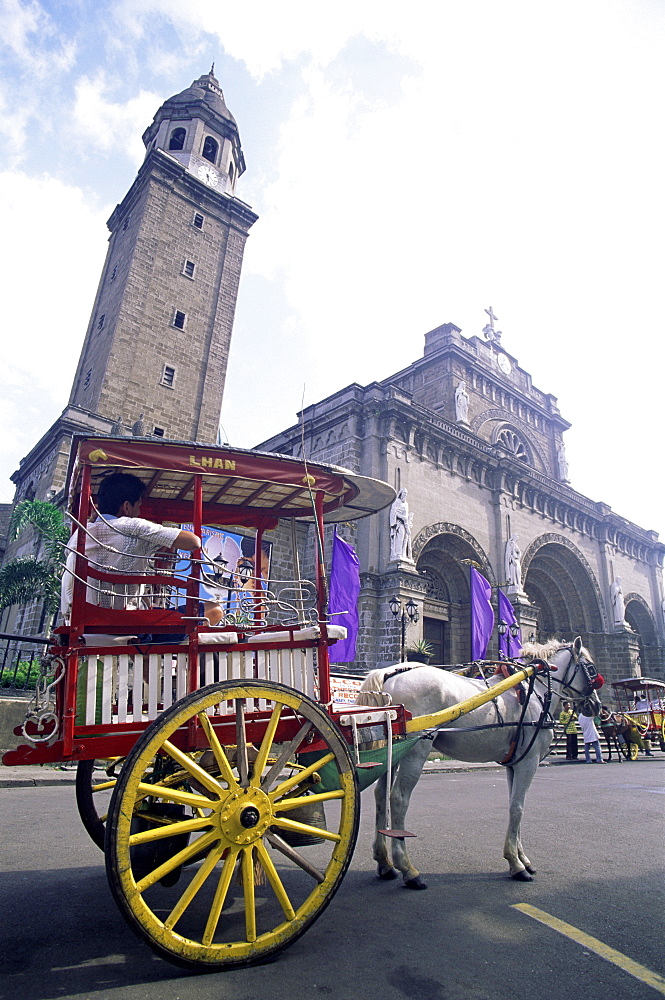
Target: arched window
(231, 172)
(210, 149)
(178, 138)
(510, 441)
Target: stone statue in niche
(400, 527)
(461, 404)
(618, 604)
(513, 566)
(562, 462)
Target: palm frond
(47, 520)
(24, 580)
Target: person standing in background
(591, 739)
(568, 719)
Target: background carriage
(642, 700)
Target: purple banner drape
(482, 615)
(508, 645)
(344, 591)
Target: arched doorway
(560, 583)
(639, 617)
(443, 555)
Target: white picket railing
(118, 688)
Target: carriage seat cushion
(97, 639)
(218, 638)
(231, 638)
(302, 634)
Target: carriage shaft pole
(420, 722)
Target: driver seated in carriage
(120, 540)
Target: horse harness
(544, 721)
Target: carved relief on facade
(446, 528)
(517, 440)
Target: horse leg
(409, 770)
(519, 780)
(380, 854)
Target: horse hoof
(387, 874)
(415, 883)
(531, 871)
(522, 876)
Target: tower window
(168, 378)
(210, 149)
(189, 268)
(114, 272)
(177, 138)
(125, 224)
(198, 220)
(88, 377)
(179, 319)
(100, 321)
(158, 432)
(231, 171)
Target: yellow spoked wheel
(203, 849)
(633, 751)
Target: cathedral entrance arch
(639, 617)
(560, 582)
(443, 554)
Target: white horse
(489, 733)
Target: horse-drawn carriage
(642, 701)
(234, 777)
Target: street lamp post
(502, 628)
(406, 613)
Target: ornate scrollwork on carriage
(41, 724)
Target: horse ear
(577, 645)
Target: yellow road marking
(593, 944)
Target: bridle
(586, 668)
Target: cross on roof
(491, 315)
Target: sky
(410, 166)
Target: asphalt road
(595, 835)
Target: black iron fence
(20, 657)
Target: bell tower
(156, 349)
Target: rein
(541, 667)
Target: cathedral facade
(476, 454)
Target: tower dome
(196, 128)
(206, 89)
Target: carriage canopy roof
(239, 486)
(639, 684)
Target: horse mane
(540, 651)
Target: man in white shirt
(120, 541)
(591, 739)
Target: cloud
(28, 32)
(108, 124)
(52, 293)
(273, 34)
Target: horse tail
(371, 691)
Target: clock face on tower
(208, 175)
(504, 364)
